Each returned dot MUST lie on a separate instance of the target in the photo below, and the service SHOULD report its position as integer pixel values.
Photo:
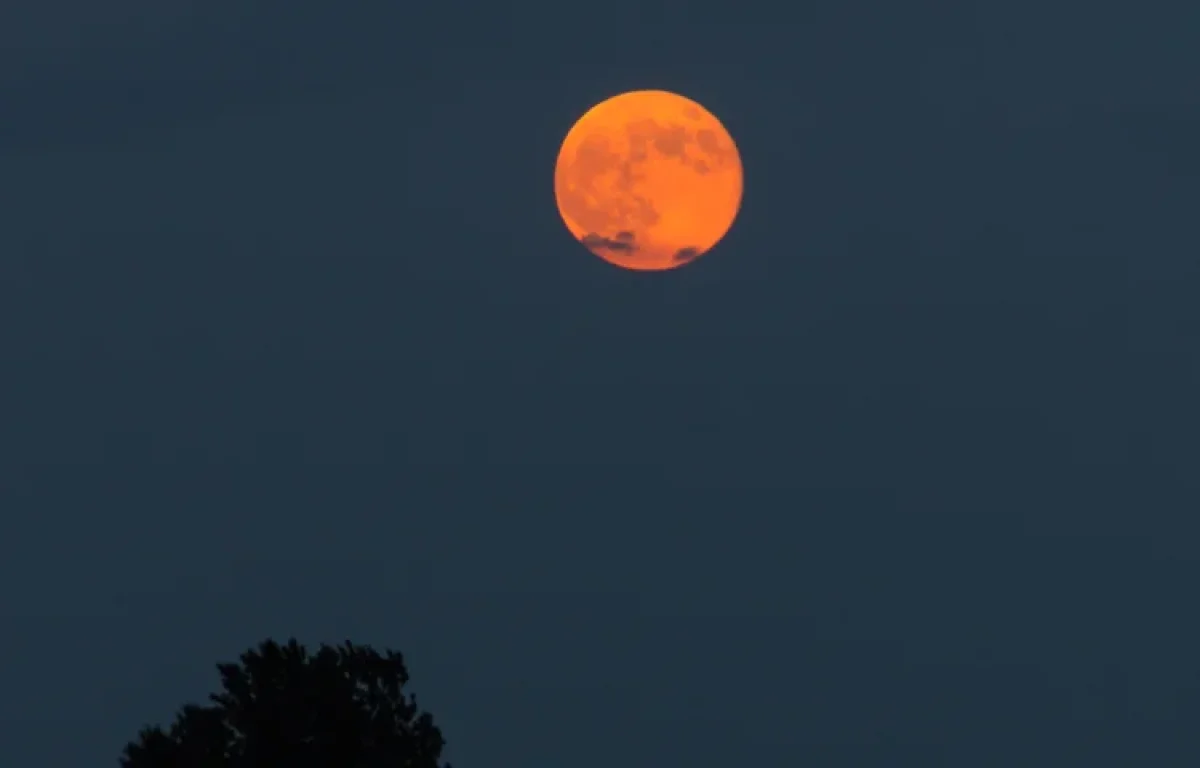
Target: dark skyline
(293, 342)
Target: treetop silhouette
(280, 707)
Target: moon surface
(648, 180)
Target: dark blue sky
(293, 342)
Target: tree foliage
(280, 707)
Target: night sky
(903, 473)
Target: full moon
(648, 180)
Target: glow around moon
(648, 180)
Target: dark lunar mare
(624, 242)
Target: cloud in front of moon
(648, 180)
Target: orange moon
(648, 180)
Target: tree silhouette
(342, 707)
